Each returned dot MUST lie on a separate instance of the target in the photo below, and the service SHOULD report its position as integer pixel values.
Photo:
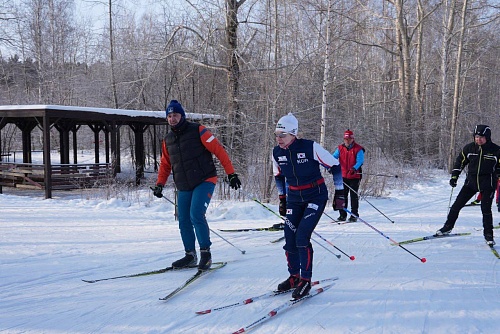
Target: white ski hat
(288, 124)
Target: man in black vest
(187, 152)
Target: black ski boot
(189, 260)
(302, 289)
(279, 226)
(205, 259)
(446, 229)
(290, 283)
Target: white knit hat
(288, 124)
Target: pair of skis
(199, 273)
(263, 296)
(430, 237)
(270, 229)
(276, 310)
(146, 273)
(434, 236)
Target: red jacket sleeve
(216, 148)
(165, 166)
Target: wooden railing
(63, 176)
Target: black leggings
(465, 194)
(354, 184)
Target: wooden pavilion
(67, 120)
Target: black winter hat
(483, 130)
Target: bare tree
(326, 75)
(448, 26)
(456, 90)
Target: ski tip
(217, 265)
(89, 281)
(204, 312)
(241, 330)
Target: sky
(98, 10)
(47, 246)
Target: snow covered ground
(48, 246)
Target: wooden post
(46, 156)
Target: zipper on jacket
(296, 178)
(479, 167)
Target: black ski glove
(453, 181)
(338, 200)
(157, 191)
(282, 207)
(234, 181)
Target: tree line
(411, 78)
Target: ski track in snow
(48, 246)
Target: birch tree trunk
(404, 70)
(271, 117)
(417, 85)
(449, 20)
(112, 57)
(233, 83)
(326, 74)
(456, 90)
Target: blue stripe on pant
(192, 206)
(302, 218)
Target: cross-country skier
(296, 166)
(483, 160)
(187, 151)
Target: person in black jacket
(482, 158)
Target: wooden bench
(63, 176)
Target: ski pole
(351, 257)
(449, 202)
(337, 255)
(333, 220)
(266, 207)
(217, 234)
(220, 236)
(386, 175)
(423, 259)
(373, 206)
(256, 200)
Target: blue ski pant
(301, 220)
(192, 207)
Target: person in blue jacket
(303, 197)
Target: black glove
(453, 181)
(338, 200)
(282, 205)
(234, 182)
(157, 191)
